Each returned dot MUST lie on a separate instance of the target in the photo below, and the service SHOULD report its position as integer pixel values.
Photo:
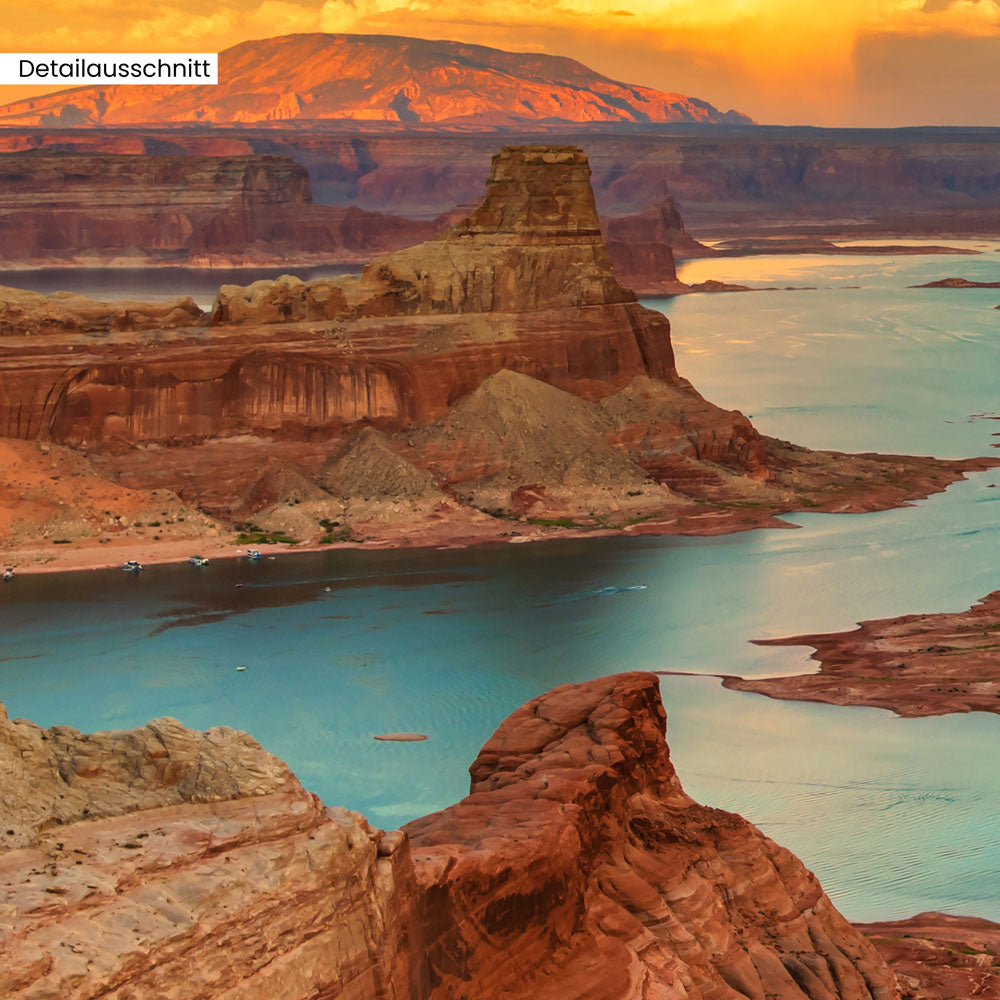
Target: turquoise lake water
(895, 816)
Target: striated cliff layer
(728, 182)
(164, 863)
(506, 372)
(127, 209)
(525, 283)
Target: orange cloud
(778, 60)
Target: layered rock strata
(137, 210)
(728, 182)
(644, 248)
(511, 326)
(162, 862)
(524, 283)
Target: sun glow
(777, 60)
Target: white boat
(253, 554)
(133, 567)
(8, 574)
(198, 561)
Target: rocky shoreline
(937, 956)
(915, 665)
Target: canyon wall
(726, 181)
(164, 863)
(99, 208)
(524, 283)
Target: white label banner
(145, 69)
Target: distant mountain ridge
(373, 78)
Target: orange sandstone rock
(164, 863)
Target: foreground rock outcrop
(914, 665)
(165, 863)
(517, 387)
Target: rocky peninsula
(915, 665)
(496, 383)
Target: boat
(133, 567)
(253, 554)
(8, 573)
(241, 667)
(198, 561)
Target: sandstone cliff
(644, 247)
(154, 209)
(503, 364)
(165, 863)
(325, 76)
(731, 182)
(533, 243)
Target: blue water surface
(895, 816)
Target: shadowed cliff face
(525, 283)
(576, 868)
(80, 208)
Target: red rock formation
(509, 327)
(728, 182)
(533, 243)
(660, 224)
(937, 956)
(644, 247)
(173, 209)
(194, 865)
(914, 665)
(321, 76)
(525, 284)
(578, 867)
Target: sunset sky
(835, 62)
